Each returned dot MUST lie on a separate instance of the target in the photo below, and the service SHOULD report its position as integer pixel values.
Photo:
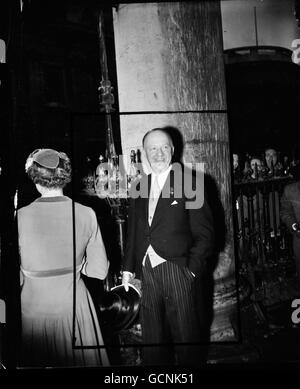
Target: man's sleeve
(202, 230)
(287, 214)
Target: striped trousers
(168, 315)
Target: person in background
(237, 173)
(290, 216)
(256, 167)
(235, 161)
(58, 241)
(273, 164)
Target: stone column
(170, 71)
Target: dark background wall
(54, 66)
(263, 94)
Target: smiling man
(167, 246)
(158, 147)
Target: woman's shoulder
(83, 209)
(27, 208)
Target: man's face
(256, 162)
(235, 161)
(271, 156)
(159, 150)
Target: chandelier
(111, 180)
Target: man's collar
(161, 177)
(162, 174)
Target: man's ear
(144, 158)
(145, 162)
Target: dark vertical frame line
(73, 240)
(255, 25)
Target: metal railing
(263, 242)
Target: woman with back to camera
(48, 229)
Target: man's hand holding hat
(127, 277)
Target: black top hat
(118, 308)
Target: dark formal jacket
(183, 236)
(290, 205)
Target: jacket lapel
(163, 202)
(146, 202)
(142, 202)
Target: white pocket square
(174, 202)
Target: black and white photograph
(150, 187)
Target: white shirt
(154, 258)
(161, 177)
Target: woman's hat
(47, 158)
(118, 308)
